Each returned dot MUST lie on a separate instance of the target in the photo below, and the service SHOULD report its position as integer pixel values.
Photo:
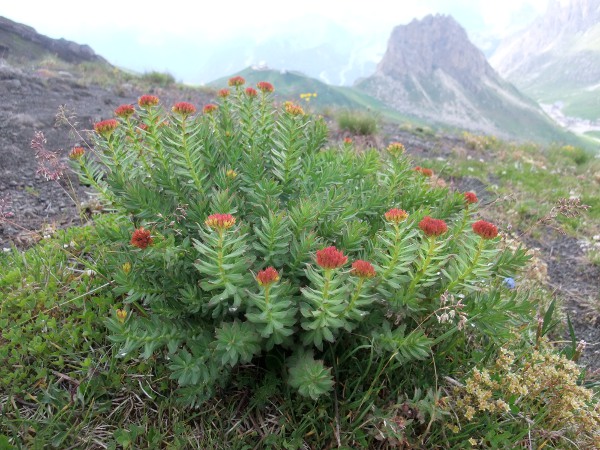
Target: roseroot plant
(242, 235)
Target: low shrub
(247, 255)
(162, 79)
(357, 122)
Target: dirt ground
(30, 102)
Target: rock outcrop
(22, 41)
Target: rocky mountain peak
(432, 70)
(555, 31)
(22, 41)
(556, 60)
(437, 42)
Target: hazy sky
(154, 35)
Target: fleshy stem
(220, 255)
(468, 270)
(117, 163)
(136, 144)
(327, 276)
(90, 179)
(395, 254)
(267, 289)
(355, 295)
(463, 222)
(426, 262)
(186, 153)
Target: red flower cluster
(223, 93)
(141, 238)
(220, 221)
(293, 109)
(211, 107)
(470, 197)
(362, 269)
(267, 276)
(251, 92)
(485, 229)
(76, 152)
(396, 148)
(147, 101)
(433, 227)
(424, 171)
(331, 258)
(184, 108)
(347, 140)
(106, 127)
(125, 111)
(237, 81)
(265, 86)
(396, 215)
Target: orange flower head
(184, 108)
(106, 127)
(347, 140)
(396, 149)
(237, 81)
(362, 269)
(292, 109)
(147, 101)
(396, 215)
(470, 197)
(125, 111)
(210, 108)
(267, 276)
(220, 221)
(251, 92)
(141, 238)
(265, 87)
(433, 227)
(485, 229)
(223, 93)
(424, 171)
(77, 153)
(331, 258)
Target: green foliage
(314, 345)
(333, 359)
(248, 187)
(229, 193)
(357, 122)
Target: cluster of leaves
(211, 199)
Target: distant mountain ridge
(556, 59)
(432, 70)
(23, 42)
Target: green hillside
(290, 84)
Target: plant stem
(423, 269)
(467, 271)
